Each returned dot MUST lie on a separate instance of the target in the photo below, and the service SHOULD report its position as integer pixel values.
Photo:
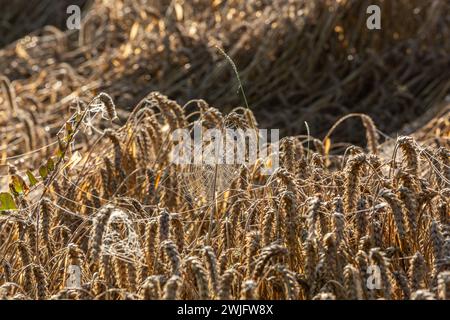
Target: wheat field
(93, 207)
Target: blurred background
(298, 60)
(20, 17)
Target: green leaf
(32, 178)
(19, 184)
(7, 202)
(59, 153)
(43, 172)
(61, 147)
(50, 165)
(78, 117)
(69, 129)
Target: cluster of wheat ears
(301, 60)
(115, 208)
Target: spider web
(199, 181)
(124, 243)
